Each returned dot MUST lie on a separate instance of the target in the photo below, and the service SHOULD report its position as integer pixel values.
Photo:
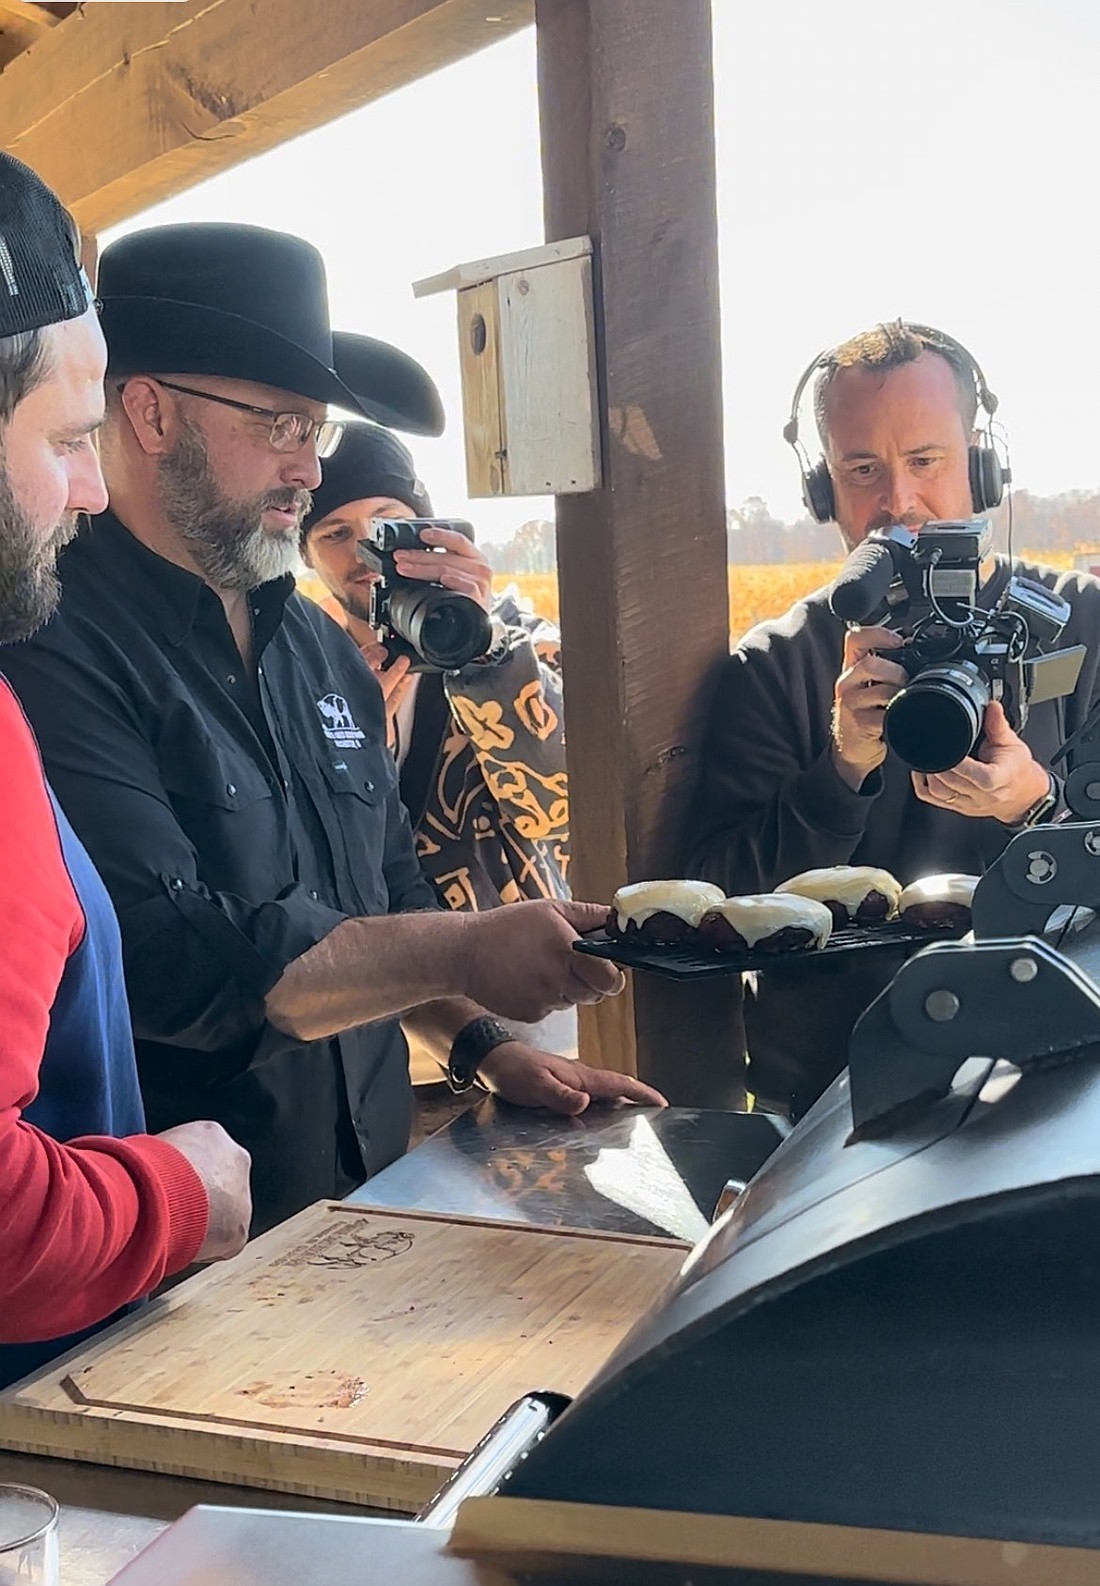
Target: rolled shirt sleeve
(199, 962)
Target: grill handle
(495, 1457)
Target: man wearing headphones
(796, 774)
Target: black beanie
(369, 461)
(41, 281)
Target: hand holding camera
(394, 680)
(865, 687)
(451, 560)
(430, 602)
(968, 674)
(1002, 782)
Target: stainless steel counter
(638, 1171)
(621, 1169)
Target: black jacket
(771, 804)
(235, 822)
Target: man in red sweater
(95, 1213)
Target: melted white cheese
(847, 885)
(939, 889)
(762, 914)
(687, 900)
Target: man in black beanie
(94, 1212)
(480, 750)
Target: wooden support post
(626, 106)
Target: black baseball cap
(41, 279)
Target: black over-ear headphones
(988, 475)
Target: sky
(875, 159)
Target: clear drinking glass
(28, 1537)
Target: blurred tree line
(531, 549)
(1069, 523)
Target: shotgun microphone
(860, 588)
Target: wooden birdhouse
(528, 360)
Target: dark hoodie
(771, 804)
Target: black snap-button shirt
(236, 822)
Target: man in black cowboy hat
(222, 748)
(94, 1212)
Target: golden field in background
(758, 591)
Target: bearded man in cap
(95, 1211)
(222, 748)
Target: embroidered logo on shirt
(339, 724)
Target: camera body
(947, 557)
(959, 657)
(438, 629)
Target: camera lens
(448, 630)
(937, 720)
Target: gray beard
(29, 587)
(225, 538)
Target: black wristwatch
(470, 1048)
(1042, 807)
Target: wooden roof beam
(22, 23)
(125, 105)
(36, 18)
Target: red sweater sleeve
(90, 1225)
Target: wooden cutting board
(352, 1353)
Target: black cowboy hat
(250, 304)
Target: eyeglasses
(289, 431)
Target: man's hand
(224, 1168)
(1002, 782)
(863, 690)
(394, 679)
(530, 1078)
(520, 963)
(462, 567)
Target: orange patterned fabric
(494, 826)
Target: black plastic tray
(690, 963)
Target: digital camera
(438, 629)
(959, 657)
